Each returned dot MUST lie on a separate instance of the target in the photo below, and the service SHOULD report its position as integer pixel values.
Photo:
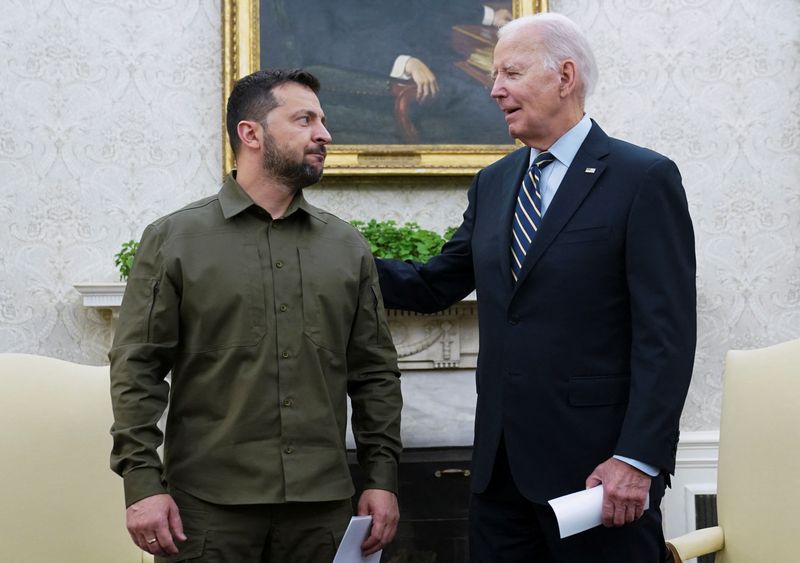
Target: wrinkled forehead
(527, 37)
(292, 94)
(517, 50)
(294, 99)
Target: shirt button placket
(287, 298)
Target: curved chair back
(60, 500)
(758, 483)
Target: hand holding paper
(624, 490)
(382, 506)
(580, 511)
(350, 549)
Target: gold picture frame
(241, 45)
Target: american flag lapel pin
(590, 170)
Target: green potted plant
(387, 239)
(124, 258)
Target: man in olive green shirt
(268, 313)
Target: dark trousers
(299, 532)
(505, 527)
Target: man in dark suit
(581, 249)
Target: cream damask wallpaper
(110, 117)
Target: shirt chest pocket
(329, 279)
(222, 305)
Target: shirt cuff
(399, 68)
(142, 483)
(488, 16)
(381, 475)
(651, 470)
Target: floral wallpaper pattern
(715, 85)
(110, 117)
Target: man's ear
(569, 77)
(249, 133)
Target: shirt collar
(232, 197)
(233, 200)
(566, 147)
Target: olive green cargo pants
(299, 532)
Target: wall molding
(696, 465)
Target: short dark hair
(252, 96)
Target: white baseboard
(695, 474)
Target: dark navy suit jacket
(590, 354)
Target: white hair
(562, 39)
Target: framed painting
(405, 84)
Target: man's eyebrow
(309, 112)
(508, 67)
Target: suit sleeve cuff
(651, 470)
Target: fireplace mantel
(437, 357)
(444, 340)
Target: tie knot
(543, 159)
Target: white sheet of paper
(580, 511)
(350, 549)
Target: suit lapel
(581, 176)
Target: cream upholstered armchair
(758, 481)
(59, 499)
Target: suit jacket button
(513, 320)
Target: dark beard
(294, 175)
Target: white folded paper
(350, 549)
(580, 511)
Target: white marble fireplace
(437, 357)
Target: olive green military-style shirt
(267, 326)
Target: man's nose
(498, 89)
(322, 135)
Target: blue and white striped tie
(528, 213)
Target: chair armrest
(694, 544)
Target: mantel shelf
(444, 340)
(108, 295)
(104, 295)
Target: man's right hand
(155, 518)
(501, 17)
(423, 77)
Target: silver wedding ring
(152, 540)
